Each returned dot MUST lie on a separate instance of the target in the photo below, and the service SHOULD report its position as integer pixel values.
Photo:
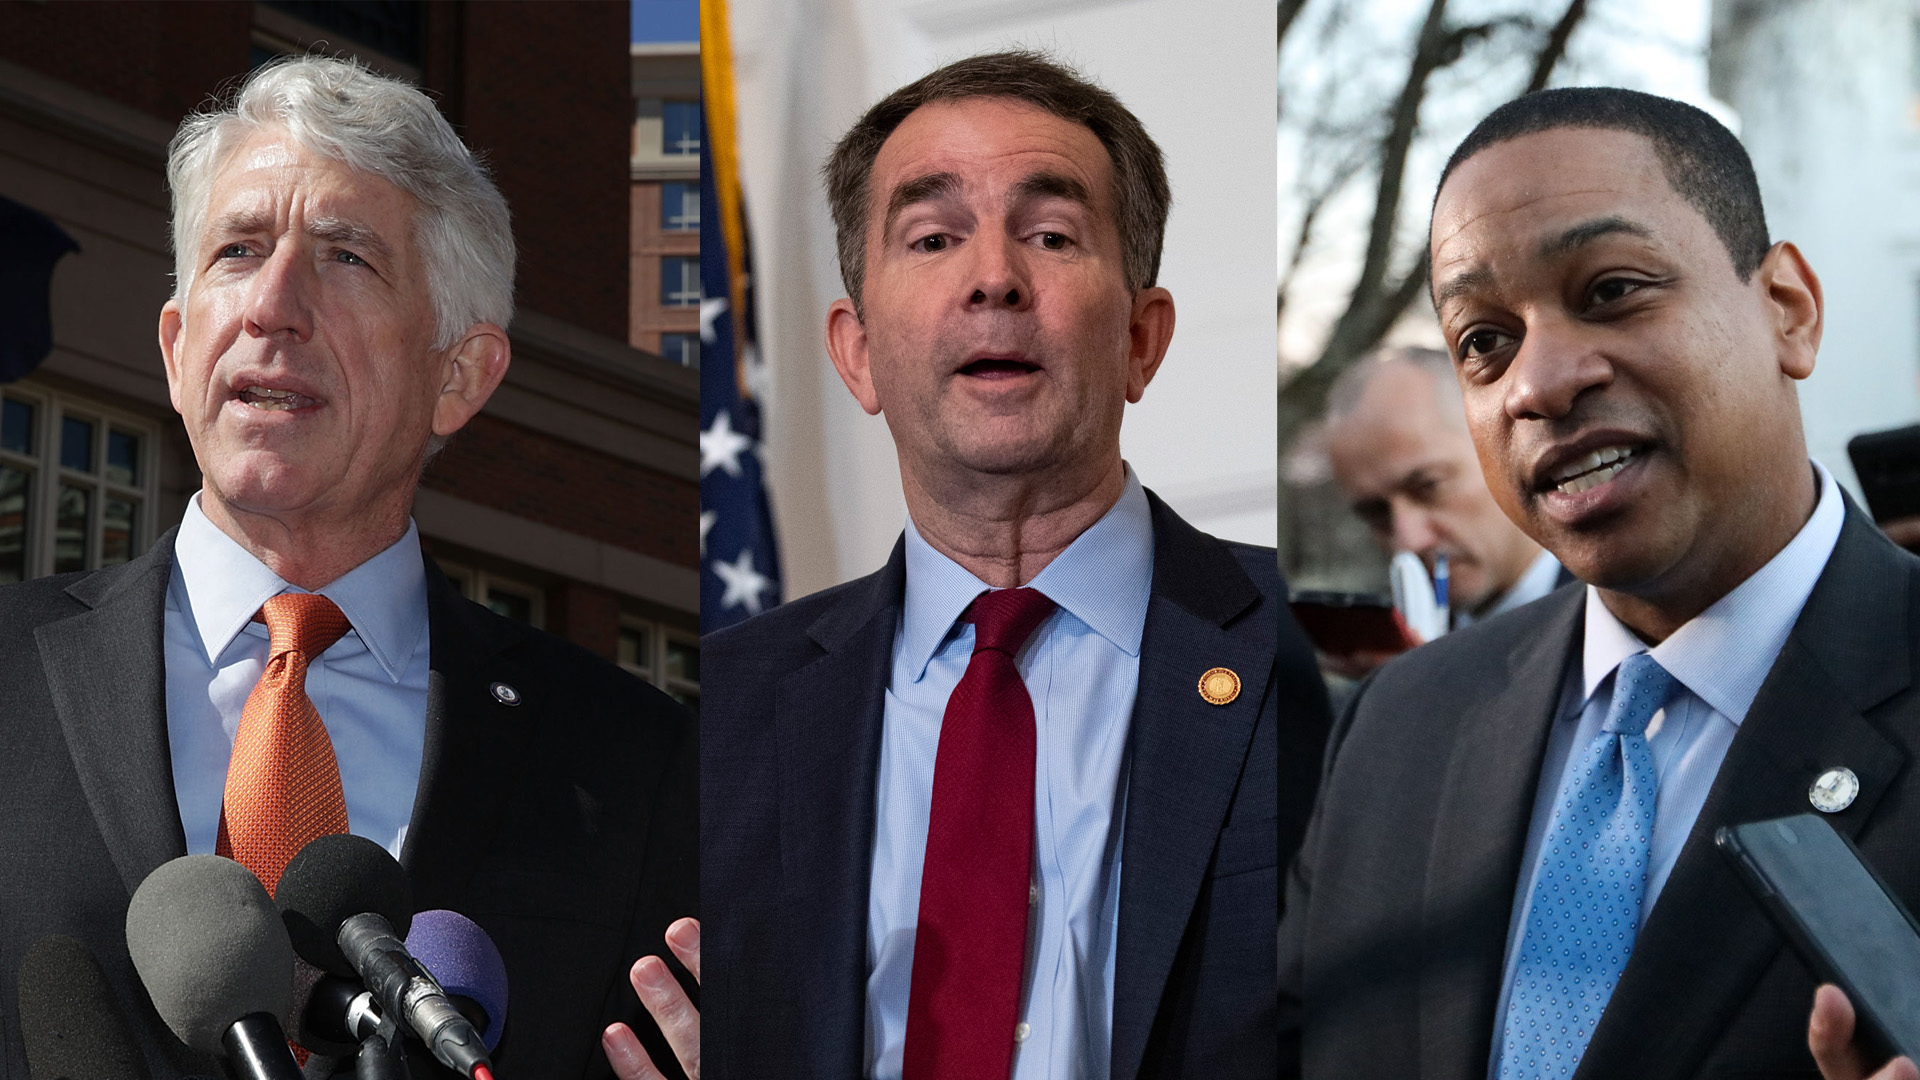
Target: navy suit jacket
(1395, 935)
(1217, 800)
(563, 825)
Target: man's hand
(1830, 1037)
(668, 1004)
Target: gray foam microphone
(214, 955)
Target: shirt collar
(1723, 654)
(385, 598)
(1104, 579)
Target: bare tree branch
(1289, 9)
(1375, 304)
(1556, 46)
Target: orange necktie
(283, 784)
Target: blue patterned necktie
(1592, 880)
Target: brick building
(571, 502)
(664, 276)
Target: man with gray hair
(286, 663)
(1397, 437)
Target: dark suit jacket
(564, 825)
(1396, 925)
(1217, 798)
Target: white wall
(1830, 111)
(1201, 76)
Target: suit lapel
(827, 723)
(1704, 945)
(474, 743)
(1185, 759)
(1479, 837)
(106, 672)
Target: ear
(1797, 306)
(847, 345)
(1150, 332)
(171, 325)
(473, 368)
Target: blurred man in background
(1397, 436)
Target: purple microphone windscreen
(333, 879)
(210, 947)
(466, 963)
(70, 1019)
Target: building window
(679, 127)
(76, 485)
(682, 349)
(502, 596)
(667, 658)
(680, 281)
(679, 207)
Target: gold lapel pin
(1219, 686)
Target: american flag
(739, 564)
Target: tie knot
(305, 623)
(1004, 620)
(1639, 689)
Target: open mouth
(995, 367)
(272, 399)
(1593, 469)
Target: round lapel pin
(504, 694)
(1835, 790)
(1219, 686)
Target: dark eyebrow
(1459, 284)
(1047, 185)
(928, 188)
(1588, 231)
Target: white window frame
(479, 586)
(653, 668)
(46, 473)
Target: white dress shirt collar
(1723, 654)
(385, 598)
(1104, 578)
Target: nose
(1413, 529)
(1554, 364)
(279, 303)
(999, 273)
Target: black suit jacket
(565, 825)
(1398, 907)
(1217, 798)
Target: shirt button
(1033, 895)
(1021, 1030)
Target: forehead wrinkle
(932, 187)
(1588, 231)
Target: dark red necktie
(971, 943)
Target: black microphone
(347, 903)
(70, 1019)
(214, 956)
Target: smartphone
(1840, 917)
(1888, 466)
(1342, 624)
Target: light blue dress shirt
(1082, 668)
(370, 687)
(1719, 658)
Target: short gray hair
(1351, 385)
(339, 109)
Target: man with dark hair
(1016, 804)
(1510, 870)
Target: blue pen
(1440, 587)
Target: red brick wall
(546, 95)
(500, 464)
(162, 59)
(585, 615)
